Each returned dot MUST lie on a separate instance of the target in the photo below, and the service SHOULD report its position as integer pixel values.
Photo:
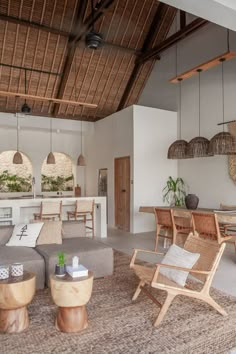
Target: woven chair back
(164, 217)
(206, 225)
(51, 208)
(208, 250)
(84, 206)
(227, 207)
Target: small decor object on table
(71, 295)
(15, 294)
(4, 272)
(191, 201)
(76, 270)
(17, 269)
(60, 270)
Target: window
(15, 178)
(58, 177)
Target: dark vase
(60, 270)
(191, 201)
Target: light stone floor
(225, 277)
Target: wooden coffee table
(71, 295)
(15, 294)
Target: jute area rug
(116, 325)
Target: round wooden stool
(15, 294)
(71, 295)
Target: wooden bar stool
(84, 211)
(49, 211)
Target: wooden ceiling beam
(71, 47)
(172, 40)
(35, 25)
(43, 98)
(182, 19)
(153, 30)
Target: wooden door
(122, 193)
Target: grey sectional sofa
(41, 260)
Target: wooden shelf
(204, 66)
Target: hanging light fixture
(81, 159)
(198, 146)
(222, 143)
(51, 157)
(25, 108)
(178, 149)
(17, 158)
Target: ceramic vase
(191, 201)
(60, 270)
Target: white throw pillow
(177, 256)
(25, 235)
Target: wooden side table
(15, 294)
(71, 295)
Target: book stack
(77, 272)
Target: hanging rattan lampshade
(198, 146)
(17, 158)
(51, 158)
(222, 143)
(177, 150)
(81, 160)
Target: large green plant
(174, 192)
(14, 183)
(58, 183)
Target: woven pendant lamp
(198, 146)
(222, 143)
(178, 149)
(81, 159)
(51, 158)
(17, 158)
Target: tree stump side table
(71, 295)
(15, 294)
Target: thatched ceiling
(48, 36)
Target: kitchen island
(21, 210)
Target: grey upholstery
(31, 260)
(73, 229)
(94, 255)
(5, 234)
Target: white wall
(34, 140)
(112, 137)
(154, 131)
(207, 177)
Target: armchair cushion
(177, 256)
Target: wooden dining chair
(49, 211)
(204, 270)
(169, 227)
(84, 212)
(207, 226)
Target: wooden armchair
(204, 270)
(171, 226)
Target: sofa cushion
(94, 255)
(32, 261)
(25, 235)
(5, 234)
(51, 232)
(73, 229)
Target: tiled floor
(225, 278)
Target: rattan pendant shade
(81, 159)
(178, 149)
(51, 158)
(198, 146)
(222, 143)
(17, 158)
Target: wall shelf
(204, 66)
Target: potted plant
(174, 192)
(60, 266)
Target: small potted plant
(60, 266)
(174, 192)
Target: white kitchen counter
(21, 210)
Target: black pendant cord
(17, 132)
(223, 92)
(92, 13)
(180, 107)
(51, 134)
(199, 101)
(25, 84)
